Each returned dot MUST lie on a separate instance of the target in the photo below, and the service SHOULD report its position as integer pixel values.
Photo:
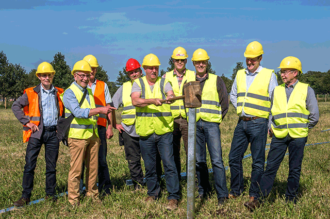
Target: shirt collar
(175, 72)
(80, 88)
(293, 85)
(51, 90)
(257, 71)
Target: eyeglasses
(83, 76)
(285, 72)
(252, 60)
(46, 75)
(179, 60)
(200, 62)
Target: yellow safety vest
(128, 114)
(255, 100)
(82, 128)
(290, 117)
(153, 119)
(210, 111)
(177, 107)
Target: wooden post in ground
(5, 102)
(325, 97)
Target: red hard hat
(132, 64)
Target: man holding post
(42, 108)
(154, 125)
(208, 117)
(102, 98)
(250, 95)
(83, 138)
(177, 77)
(294, 110)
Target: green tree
(209, 69)
(122, 77)
(279, 78)
(227, 82)
(112, 87)
(63, 77)
(3, 70)
(32, 79)
(101, 74)
(239, 65)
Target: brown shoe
(172, 204)
(21, 202)
(75, 205)
(150, 199)
(50, 198)
(230, 196)
(252, 204)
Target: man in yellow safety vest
(208, 117)
(177, 77)
(154, 125)
(294, 110)
(250, 95)
(83, 138)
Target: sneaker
(21, 202)
(150, 199)
(172, 204)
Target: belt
(50, 128)
(244, 118)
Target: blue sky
(114, 31)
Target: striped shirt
(49, 109)
(178, 77)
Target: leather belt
(50, 128)
(244, 118)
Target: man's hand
(168, 97)
(32, 126)
(106, 109)
(120, 128)
(157, 102)
(270, 132)
(109, 132)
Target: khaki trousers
(83, 150)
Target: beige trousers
(83, 150)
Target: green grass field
(125, 203)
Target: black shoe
(21, 202)
(202, 196)
(222, 200)
(52, 198)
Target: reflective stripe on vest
(177, 107)
(128, 114)
(290, 117)
(255, 101)
(210, 111)
(82, 128)
(99, 97)
(153, 119)
(32, 111)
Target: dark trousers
(254, 132)
(209, 133)
(51, 154)
(103, 170)
(180, 130)
(133, 157)
(162, 144)
(276, 154)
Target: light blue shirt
(71, 103)
(49, 108)
(106, 91)
(249, 79)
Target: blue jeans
(51, 154)
(209, 133)
(150, 146)
(254, 132)
(276, 154)
(103, 169)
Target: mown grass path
(125, 203)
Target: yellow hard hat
(200, 55)
(179, 53)
(92, 61)
(82, 65)
(254, 49)
(151, 60)
(291, 62)
(45, 68)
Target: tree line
(14, 78)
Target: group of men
(152, 126)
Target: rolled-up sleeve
(17, 106)
(312, 107)
(233, 94)
(71, 103)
